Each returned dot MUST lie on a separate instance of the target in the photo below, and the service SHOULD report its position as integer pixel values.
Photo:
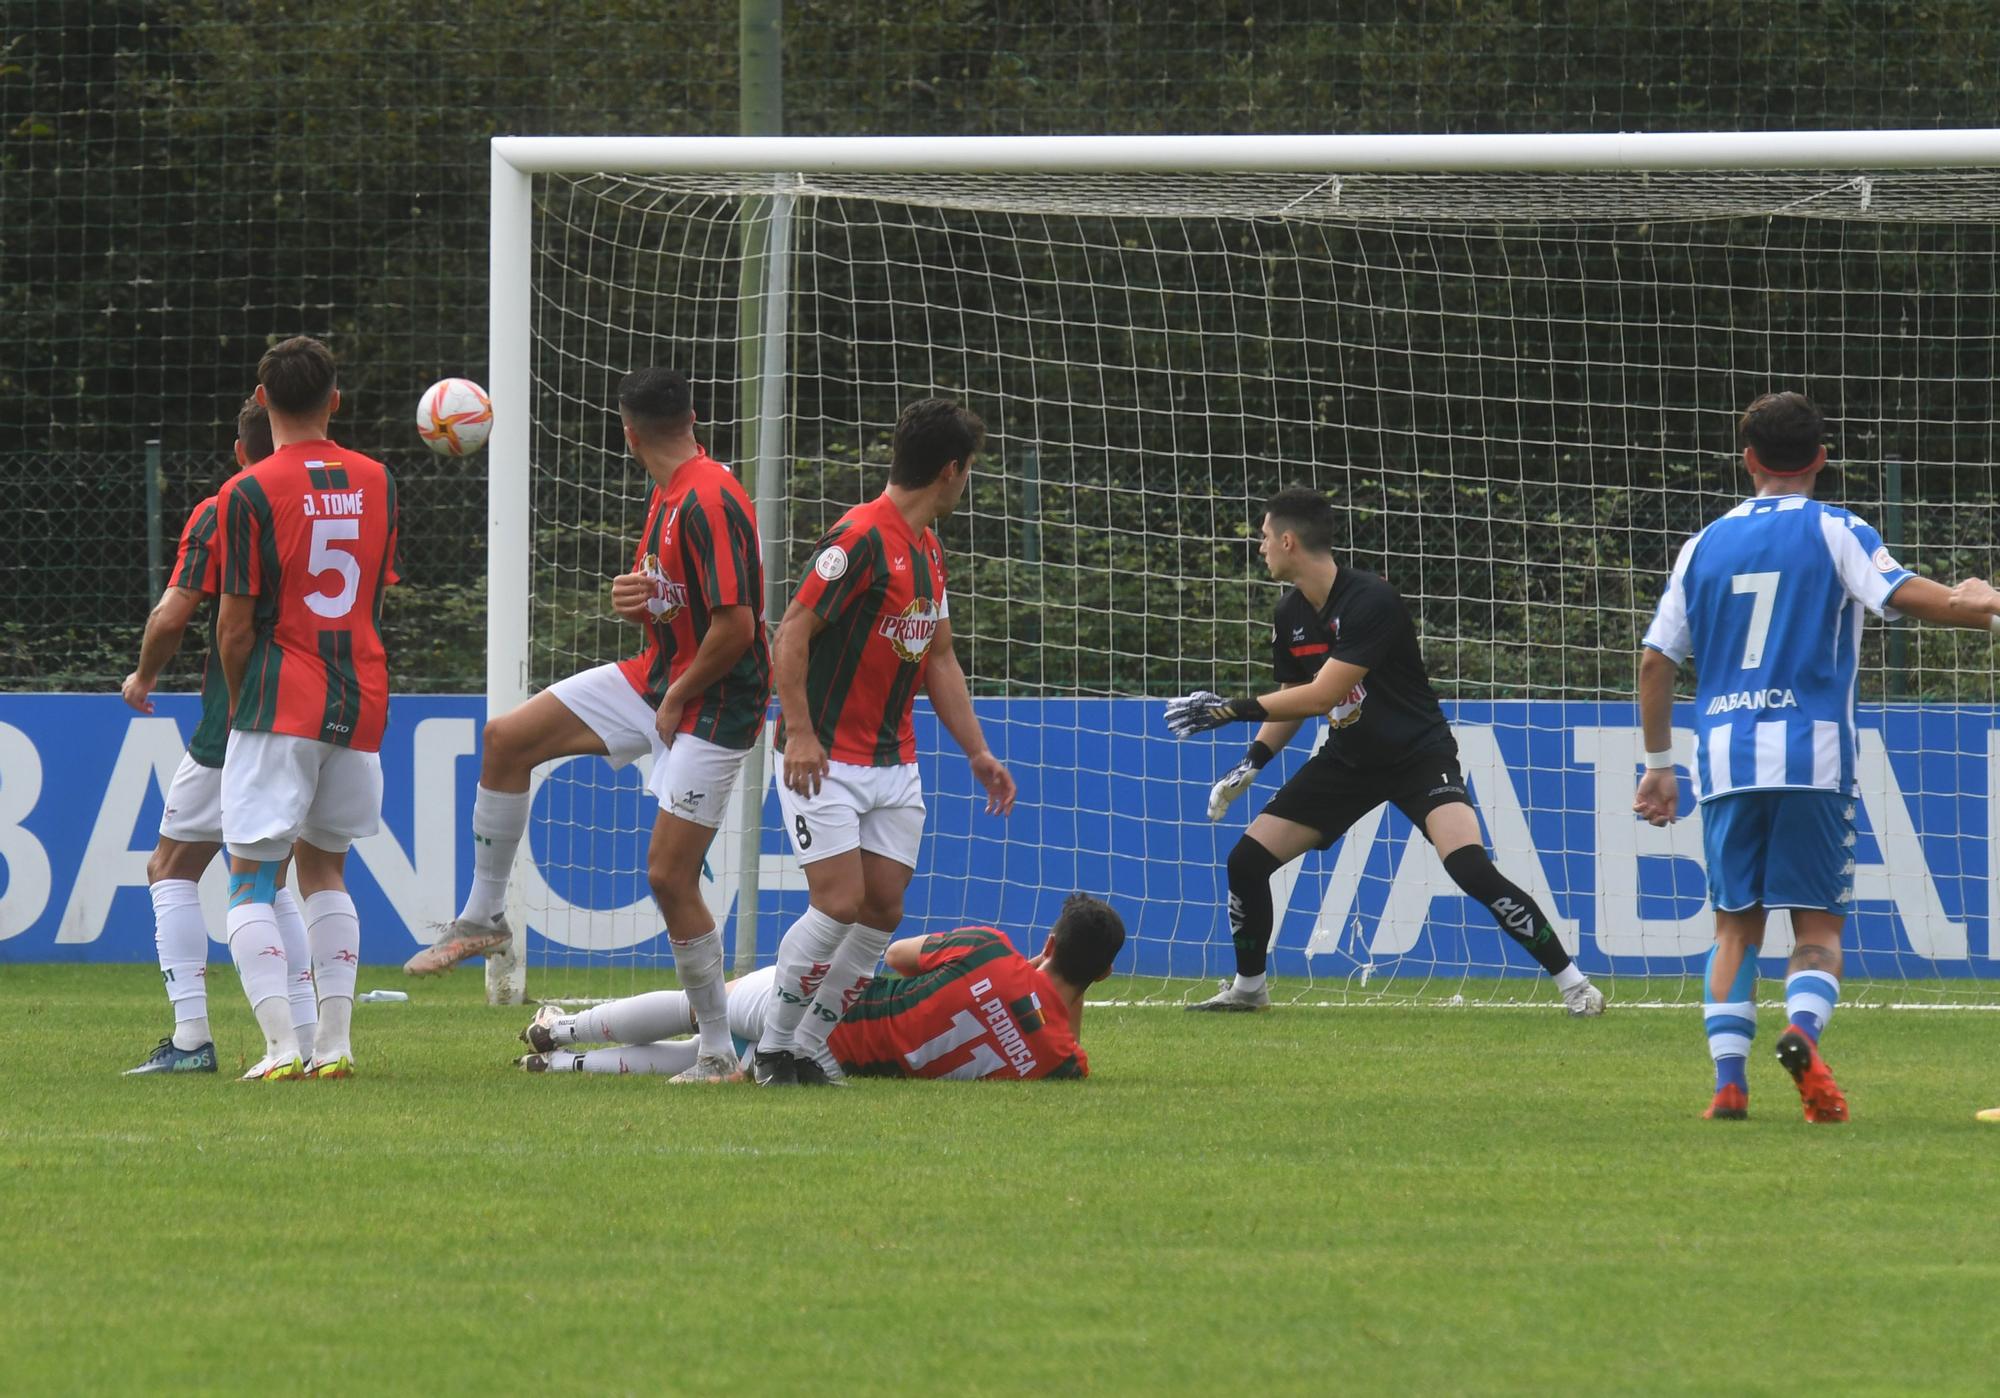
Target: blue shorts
(1779, 849)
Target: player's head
(1783, 434)
(253, 432)
(936, 442)
(296, 379)
(657, 405)
(1085, 940)
(1298, 526)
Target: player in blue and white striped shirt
(1770, 597)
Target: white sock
(499, 820)
(699, 963)
(804, 957)
(853, 968)
(298, 955)
(637, 1019)
(335, 934)
(181, 938)
(1570, 975)
(654, 1059)
(260, 959)
(1249, 985)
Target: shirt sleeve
(1293, 662)
(1670, 634)
(1368, 627)
(1868, 571)
(943, 948)
(241, 536)
(196, 566)
(841, 570)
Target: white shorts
(617, 713)
(877, 809)
(277, 788)
(693, 779)
(749, 1003)
(194, 804)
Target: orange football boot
(1731, 1103)
(1822, 1096)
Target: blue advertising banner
(1109, 803)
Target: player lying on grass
(1343, 646)
(1770, 597)
(191, 824)
(960, 1004)
(693, 698)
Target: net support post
(1898, 646)
(771, 358)
(156, 576)
(509, 503)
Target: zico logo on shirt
(911, 631)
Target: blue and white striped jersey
(1768, 599)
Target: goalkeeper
(1344, 646)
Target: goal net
(1518, 386)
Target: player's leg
(892, 833)
(558, 722)
(1729, 1008)
(1810, 871)
(626, 1060)
(1440, 806)
(298, 957)
(180, 936)
(1271, 842)
(267, 784)
(825, 831)
(693, 780)
(346, 806)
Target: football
(455, 417)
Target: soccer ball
(455, 417)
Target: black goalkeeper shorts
(1329, 796)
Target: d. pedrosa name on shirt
(1751, 699)
(1019, 1056)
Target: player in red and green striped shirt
(869, 629)
(961, 1005)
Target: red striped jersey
(198, 568)
(880, 587)
(310, 532)
(975, 1009)
(700, 548)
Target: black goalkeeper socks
(1250, 870)
(1519, 916)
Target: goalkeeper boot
(169, 1059)
(1731, 1103)
(711, 1067)
(1823, 1099)
(1585, 1001)
(271, 1068)
(1230, 1000)
(774, 1068)
(460, 941)
(540, 1033)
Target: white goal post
(1404, 205)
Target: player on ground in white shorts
(308, 546)
(191, 826)
(961, 1004)
(869, 628)
(694, 699)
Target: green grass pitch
(1308, 1201)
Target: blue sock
(1809, 1000)
(1731, 1023)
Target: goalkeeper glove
(1237, 780)
(1203, 710)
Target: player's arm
(902, 955)
(1973, 605)
(235, 631)
(165, 627)
(944, 681)
(1272, 735)
(730, 632)
(805, 759)
(1203, 710)
(1659, 795)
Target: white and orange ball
(454, 417)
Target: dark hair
(930, 435)
(1785, 430)
(297, 375)
(656, 400)
(1088, 935)
(1305, 513)
(253, 429)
